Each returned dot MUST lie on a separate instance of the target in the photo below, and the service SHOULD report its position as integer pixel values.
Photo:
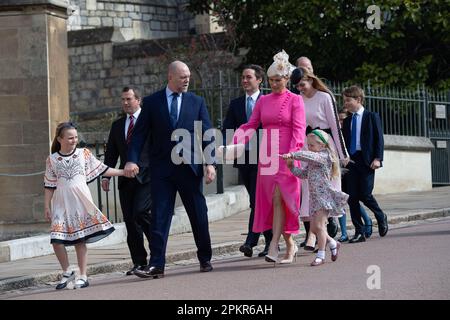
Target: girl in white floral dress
(75, 220)
(324, 200)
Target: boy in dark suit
(363, 133)
(134, 194)
(239, 112)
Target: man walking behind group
(134, 194)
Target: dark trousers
(164, 190)
(360, 181)
(248, 175)
(135, 201)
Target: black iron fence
(420, 112)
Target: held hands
(230, 152)
(131, 169)
(289, 159)
(287, 156)
(210, 174)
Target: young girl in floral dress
(324, 199)
(75, 220)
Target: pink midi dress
(282, 116)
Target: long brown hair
(316, 82)
(60, 129)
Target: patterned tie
(130, 129)
(249, 108)
(353, 136)
(174, 109)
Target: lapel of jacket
(183, 109)
(364, 120)
(242, 110)
(162, 103)
(346, 129)
(121, 133)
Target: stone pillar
(34, 98)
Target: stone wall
(100, 65)
(33, 99)
(406, 165)
(137, 19)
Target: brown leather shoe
(335, 256)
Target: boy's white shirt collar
(360, 111)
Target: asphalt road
(411, 262)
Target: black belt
(309, 129)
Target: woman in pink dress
(282, 116)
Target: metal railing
(420, 112)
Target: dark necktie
(248, 111)
(130, 129)
(174, 109)
(353, 136)
(249, 108)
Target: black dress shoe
(302, 244)
(309, 248)
(357, 238)
(246, 250)
(383, 227)
(264, 252)
(206, 267)
(150, 272)
(132, 270)
(332, 227)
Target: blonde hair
(316, 82)
(318, 135)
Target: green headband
(321, 137)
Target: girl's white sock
(321, 254)
(333, 246)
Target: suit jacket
(371, 139)
(237, 116)
(117, 148)
(154, 121)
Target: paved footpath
(226, 235)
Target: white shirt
(254, 98)
(359, 115)
(169, 101)
(127, 121)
